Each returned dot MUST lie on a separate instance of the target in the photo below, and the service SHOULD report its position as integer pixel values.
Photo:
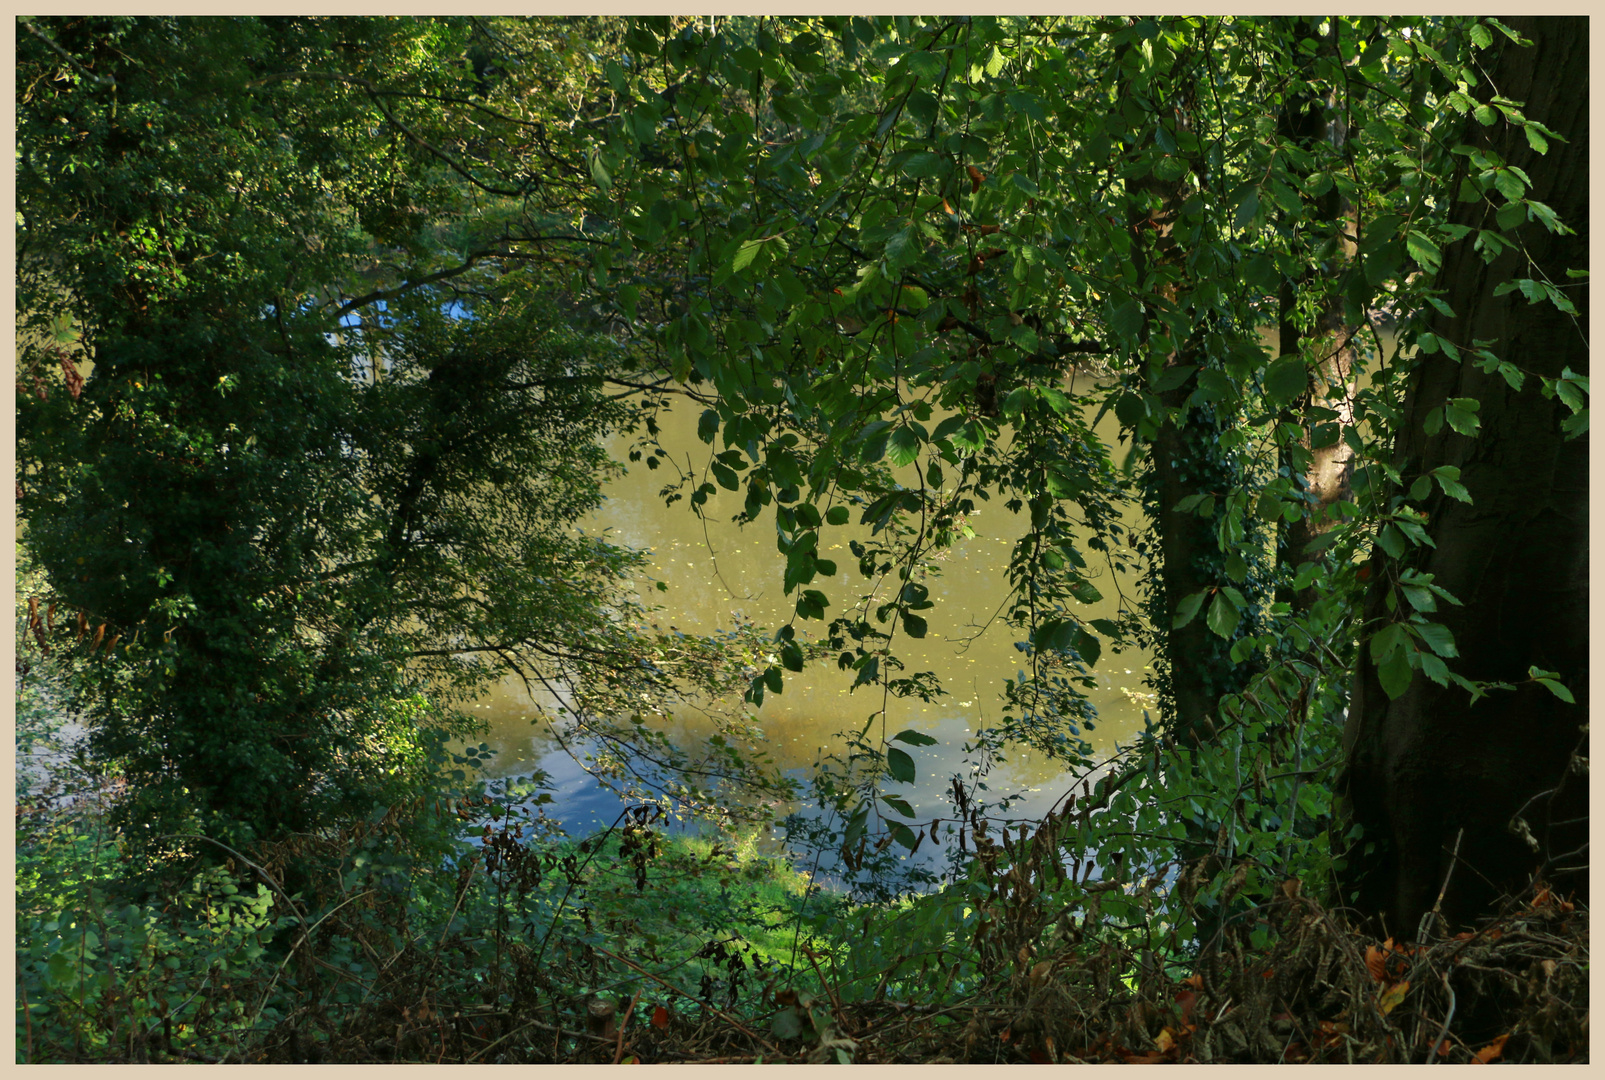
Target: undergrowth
(466, 927)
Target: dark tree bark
(1431, 769)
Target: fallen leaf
(660, 1017)
(1392, 996)
(1165, 1041)
(1491, 1051)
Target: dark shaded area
(1432, 772)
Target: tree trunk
(1431, 772)
(1323, 462)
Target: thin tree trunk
(1323, 460)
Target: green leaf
(914, 625)
(1423, 250)
(914, 738)
(837, 515)
(1084, 591)
(1559, 690)
(1188, 608)
(745, 254)
(1462, 415)
(1448, 478)
(1088, 646)
(1129, 409)
(791, 656)
(1126, 320)
(707, 425)
(1434, 668)
(900, 765)
(1374, 53)
(856, 825)
(1437, 637)
(1391, 540)
(926, 164)
(903, 446)
(1286, 380)
(1420, 598)
(1223, 615)
(900, 805)
(1247, 208)
(1394, 674)
(599, 173)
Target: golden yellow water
(718, 573)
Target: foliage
(902, 257)
(341, 310)
(523, 919)
(298, 527)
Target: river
(718, 573)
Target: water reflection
(719, 574)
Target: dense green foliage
(322, 322)
(932, 245)
(298, 525)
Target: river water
(718, 573)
